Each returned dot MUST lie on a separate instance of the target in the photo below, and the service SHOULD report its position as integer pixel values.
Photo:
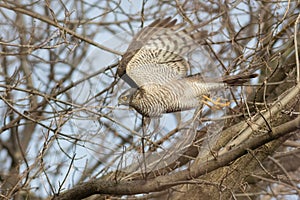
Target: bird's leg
(217, 104)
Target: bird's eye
(124, 98)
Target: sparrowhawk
(154, 65)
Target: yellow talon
(217, 104)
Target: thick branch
(160, 183)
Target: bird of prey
(154, 65)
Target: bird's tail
(231, 80)
(236, 80)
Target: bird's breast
(156, 99)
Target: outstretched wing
(156, 53)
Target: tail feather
(232, 80)
(239, 79)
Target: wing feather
(140, 39)
(157, 53)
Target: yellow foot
(217, 104)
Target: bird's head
(125, 97)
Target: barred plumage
(154, 65)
